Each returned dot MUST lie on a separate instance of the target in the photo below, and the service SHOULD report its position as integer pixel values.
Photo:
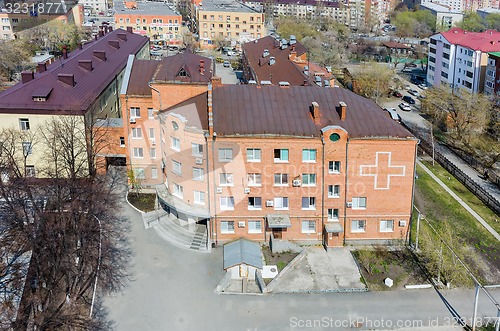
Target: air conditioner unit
(241, 224)
(296, 182)
(153, 142)
(269, 203)
(349, 205)
(219, 190)
(199, 161)
(402, 223)
(247, 190)
(132, 120)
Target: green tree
(472, 22)
(493, 21)
(14, 56)
(371, 80)
(419, 23)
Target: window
(150, 113)
(358, 226)
(308, 203)
(280, 203)
(30, 171)
(198, 174)
(254, 227)
(178, 191)
(226, 203)
(151, 133)
(227, 227)
(281, 155)
(334, 191)
(386, 226)
(196, 149)
(469, 74)
(254, 203)
(225, 154)
(27, 148)
(309, 179)
(334, 167)
(175, 144)
(226, 179)
(135, 112)
(136, 133)
(280, 179)
(333, 214)
(308, 227)
(254, 179)
(122, 141)
(139, 173)
(253, 155)
(152, 153)
(138, 153)
(154, 173)
(308, 155)
(359, 203)
(24, 124)
(176, 167)
(490, 73)
(199, 197)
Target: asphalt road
(172, 289)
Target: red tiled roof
(272, 110)
(487, 41)
(169, 68)
(141, 74)
(283, 70)
(73, 100)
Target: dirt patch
(142, 201)
(279, 259)
(378, 264)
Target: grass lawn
(438, 207)
(142, 201)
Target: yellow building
(231, 22)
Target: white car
(414, 93)
(404, 106)
(423, 86)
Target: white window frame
(254, 179)
(252, 228)
(308, 226)
(178, 191)
(135, 112)
(280, 158)
(306, 155)
(152, 133)
(24, 124)
(334, 191)
(256, 203)
(154, 173)
(226, 179)
(357, 203)
(152, 153)
(175, 144)
(151, 113)
(198, 174)
(282, 202)
(227, 203)
(334, 167)
(199, 197)
(306, 180)
(30, 171)
(311, 203)
(136, 133)
(138, 153)
(331, 214)
(176, 167)
(281, 182)
(254, 155)
(384, 226)
(27, 148)
(356, 226)
(225, 154)
(196, 150)
(227, 227)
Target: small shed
(242, 258)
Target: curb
(126, 199)
(271, 285)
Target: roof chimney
(114, 43)
(86, 64)
(122, 36)
(101, 32)
(305, 82)
(101, 55)
(342, 110)
(42, 66)
(315, 110)
(27, 76)
(202, 67)
(68, 79)
(129, 29)
(110, 28)
(65, 52)
(216, 81)
(272, 60)
(80, 45)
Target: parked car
(397, 94)
(414, 93)
(226, 64)
(423, 86)
(409, 99)
(404, 106)
(231, 53)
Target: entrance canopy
(278, 221)
(333, 227)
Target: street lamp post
(98, 265)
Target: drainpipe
(215, 188)
(323, 231)
(209, 224)
(346, 183)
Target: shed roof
(242, 251)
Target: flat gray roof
(242, 251)
(226, 6)
(439, 8)
(145, 8)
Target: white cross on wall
(387, 170)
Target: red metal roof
(272, 110)
(66, 99)
(487, 41)
(141, 74)
(170, 67)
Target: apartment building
(84, 83)
(491, 81)
(446, 18)
(229, 21)
(152, 86)
(156, 20)
(458, 58)
(297, 163)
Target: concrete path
(321, 271)
(456, 197)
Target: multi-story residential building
(446, 18)
(157, 20)
(458, 58)
(95, 7)
(298, 163)
(493, 9)
(453, 5)
(492, 81)
(12, 21)
(84, 83)
(229, 21)
(151, 86)
(278, 61)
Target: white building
(446, 18)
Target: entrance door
(278, 233)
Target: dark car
(409, 99)
(397, 94)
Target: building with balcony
(156, 20)
(492, 77)
(229, 22)
(446, 18)
(458, 58)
